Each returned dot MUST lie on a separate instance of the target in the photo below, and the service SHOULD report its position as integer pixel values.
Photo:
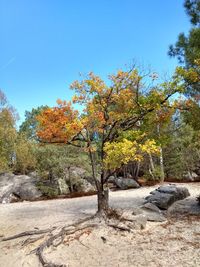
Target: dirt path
(18, 217)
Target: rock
(77, 171)
(190, 176)
(126, 183)
(111, 179)
(84, 186)
(135, 222)
(78, 181)
(187, 206)
(63, 187)
(165, 196)
(152, 212)
(138, 222)
(18, 187)
(136, 211)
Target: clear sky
(45, 44)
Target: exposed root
(120, 227)
(28, 233)
(55, 236)
(54, 240)
(31, 240)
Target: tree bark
(103, 200)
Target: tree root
(31, 240)
(60, 238)
(27, 233)
(53, 237)
(120, 227)
(54, 240)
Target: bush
(154, 176)
(48, 191)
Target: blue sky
(45, 44)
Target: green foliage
(193, 10)
(29, 126)
(25, 160)
(53, 160)
(153, 175)
(47, 190)
(8, 133)
(182, 153)
(187, 47)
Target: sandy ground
(161, 244)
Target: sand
(174, 243)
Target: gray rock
(18, 187)
(63, 187)
(165, 196)
(152, 212)
(84, 186)
(138, 222)
(111, 179)
(78, 181)
(190, 176)
(188, 206)
(126, 183)
(135, 222)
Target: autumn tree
(8, 133)
(107, 127)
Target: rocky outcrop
(166, 195)
(18, 187)
(125, 183)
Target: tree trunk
(161, 157)
(162, 165)
(103, 200)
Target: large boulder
(188, 206)
(126, 183)
(17, 188)
(164, 196)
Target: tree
(29, 126)
(109, 111)
(193, 10)
(8, 133)
(25, 160)
(187, 47)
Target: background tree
(187, 47)
(29, 126)
(8, 133)
(25, 160)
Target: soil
(167, 244)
